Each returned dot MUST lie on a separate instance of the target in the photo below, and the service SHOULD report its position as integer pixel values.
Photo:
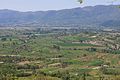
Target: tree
(3, 39)
(56, 47)
(81, 1)
(66, 76)
(84, 76)
(7, 71)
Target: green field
(58, 57)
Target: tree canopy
(81, 1)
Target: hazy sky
(37, 5)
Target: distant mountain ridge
(99, 15)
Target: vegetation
(34, 54)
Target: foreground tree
(81, 1)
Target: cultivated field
(30, 54)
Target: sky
(44, 5)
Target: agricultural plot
(82, 56)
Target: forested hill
(97, 15)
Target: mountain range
(100, 15)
